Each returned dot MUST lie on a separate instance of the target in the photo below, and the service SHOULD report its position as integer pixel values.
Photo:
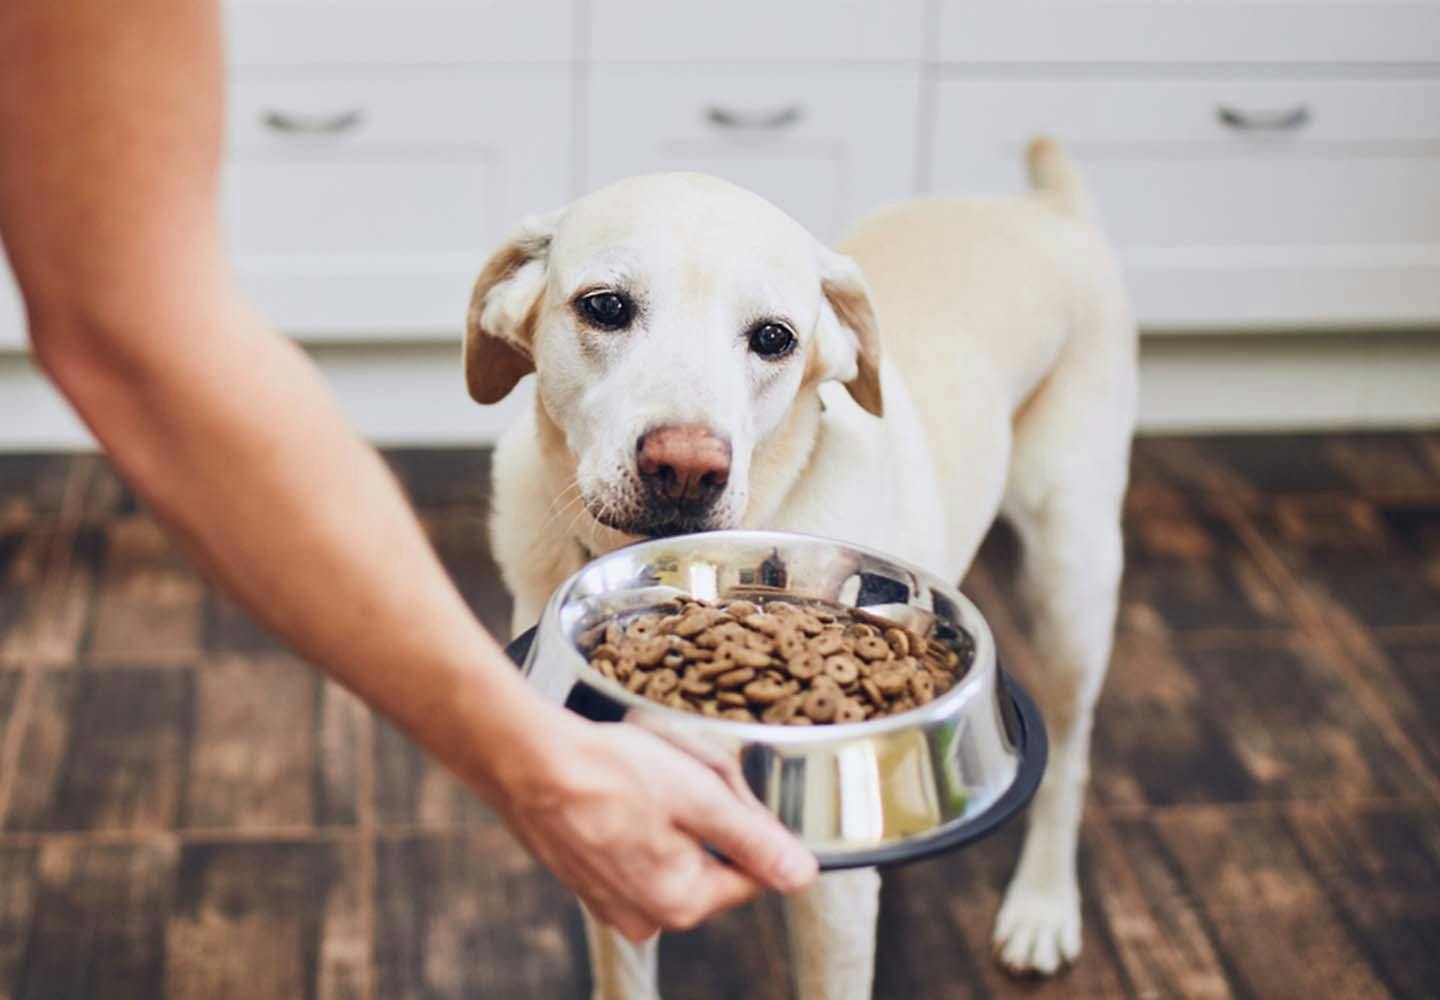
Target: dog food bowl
(878, 792)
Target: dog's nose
(687, 464)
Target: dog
(703, 362)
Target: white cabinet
(1161, 33)
(1260, 163)
(364, 207)
(778, 32)
(1233, 202)
(311, 33)
(822, 145)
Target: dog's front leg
(1072, 564)
(832, 935)
(620, 969)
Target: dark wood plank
(1185, 565)
(27, 550)
(472, 915)
(1373, 560)
(1292, 463)
(1293, 723)
(273, 746)
(19, 873)
(32, 485)
(461, 537)
(9, 691)
(150, 600)
(1381, 869)
(231, 629)
(1415, 666)
(1270, 915)
(1157, 739)
(412, 789)
(267, 921)
(105, 749)
(97, 925)
(937, 919)
(1160, 935)
(443, 477)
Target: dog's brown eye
(772, 340)
(607, 310)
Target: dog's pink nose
(688, 464)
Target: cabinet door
(1234, 203)
(307, 33)
(1162, 32)
(778, 31)
(359, 207)
(823, 146)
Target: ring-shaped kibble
(890, 682)
(738, 677)
(820, 704)
(872, 647)
(661, 683)
(807, 667)
(777, 660)
(765, 691)
(789, 645)
(842, 669)
(644, 627)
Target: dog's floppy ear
(848, 335)
(500, 325)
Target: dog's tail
(1052, 171)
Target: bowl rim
(983, 671)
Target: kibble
(781, 662)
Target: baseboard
(411, 393)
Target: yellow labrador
(703, 362)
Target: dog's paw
(1038, 931)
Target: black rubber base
(1028, 734)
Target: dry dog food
(774, 661)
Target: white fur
(1008, 384)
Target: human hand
(622, 817)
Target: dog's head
(673, 320)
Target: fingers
(749, 836)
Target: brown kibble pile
(774, 661)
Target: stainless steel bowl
(865, 793)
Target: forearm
(239, 448)
(108, 174)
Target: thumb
(747, 835)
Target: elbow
(83, 357)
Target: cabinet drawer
(780, 30)
(1196, 31)
(1333, 220)
(339, 32)
(824, 147)
(376, 215)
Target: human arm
(110, 135)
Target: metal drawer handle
(1264, 121)
(296, 124)
(752, 121)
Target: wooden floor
(187, 812)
